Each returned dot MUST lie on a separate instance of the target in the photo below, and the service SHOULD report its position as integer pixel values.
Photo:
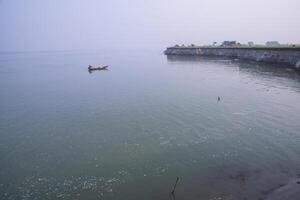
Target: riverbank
(287, 56)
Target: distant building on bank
(251, 44)
(229, 43)
(273, 43)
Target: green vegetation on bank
(243, 47)
(233, 44)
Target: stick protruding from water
(174, 188)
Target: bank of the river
(288, 56)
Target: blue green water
(128, 132)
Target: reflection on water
(251, 68)
(245, 66)
(127, 134)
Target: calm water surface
(127, 133)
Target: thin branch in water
(174, 188)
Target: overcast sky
(31, 25)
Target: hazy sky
(29, 25)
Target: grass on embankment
(243, 47)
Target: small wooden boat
(91, 68)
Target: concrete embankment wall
(288, 56)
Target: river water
(128, 132)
